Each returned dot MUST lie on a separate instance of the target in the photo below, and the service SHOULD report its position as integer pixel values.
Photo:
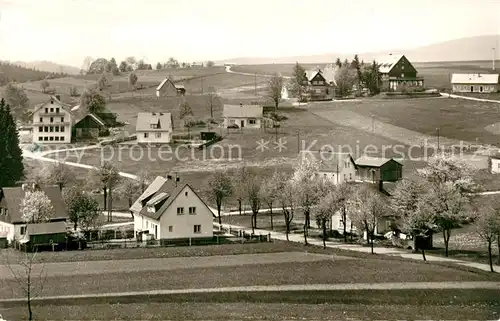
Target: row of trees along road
(441, 197)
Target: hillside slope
(477, 48)
(49, 66)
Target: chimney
(58, 97)
(241, 104)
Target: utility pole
(202, 84)
(255, 83)
(298, 141)
(493, 61)
(437, 129)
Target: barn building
(397, 70)
(475, 83)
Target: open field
(436, 74)
(318, 309)
(457, 119)
(240, 270)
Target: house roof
(98, 119)
(46, 228)
(12, 197)
(243, 111)
(161, 198)
(474, 79)
(388, 62)
(150, 190)
(55, 100)
(328, 160)
(164, 81)
(144, 121)
(179, 86)
(371, 161)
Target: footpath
(299, 238)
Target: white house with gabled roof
(249, 116)
(154, 128)
(170, 210)
(475, 83)
(52, 122)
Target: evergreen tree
(11, 156)
(338, 63)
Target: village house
(154, 128)
(167, 88)
(375, 169)
(170, 210)
(90, 126)
(335, 166)
(475, 83)
(52, 122)
(11, 221)
(494, 163)
(249, 116)
(396, 71)
(320, 85)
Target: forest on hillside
(14, 73)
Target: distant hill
(477, 48)
(11, 72)
(44, 65)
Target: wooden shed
(46, 235)
(377, 169)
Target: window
(46, 110)
(40, 129)
(62, 129)
(186, 193)
(61, 138)
(23, 230)
(52, 110)
(345, 177)
(402, 75)
(40, 138)
(158, 135)
(402, 67)
(180, 210)
(147, 224)
(350, 176)
(154, 126)
(498, 165)
(192, 210)
(146, 135)
(51, 119)
(197, 229)
(45, 138)
(57, 110)
(170, 228)
(51, 138)
(51, 129)
(57, 129)
(46, 129)
(62, 119)
(41, 119)
(252, 121)
(232, 121)
(318, 91)
(56, 138)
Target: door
(242, 123)
(471, 89)
(481, 89)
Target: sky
(66, 31)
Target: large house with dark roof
(249, 116)
(11, 221)
(154, 128)
(396, 70)
(320, 83)
(52, 122)
(170, 210)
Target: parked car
(233, 126)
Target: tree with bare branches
(130, 190)
(287, 198)
(29, 276)
(239, 185)
(274, 90)
(254, 194)
(219, 188)
(108, 176)
(269, 191)
(60, 175)
(487, 222)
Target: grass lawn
(321, 270)
(263, 311)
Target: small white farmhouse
(52, 122)
(168, 211)
(336, 166)
(249, 116)
(475, 83)
(494, 162)
(154, 128)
